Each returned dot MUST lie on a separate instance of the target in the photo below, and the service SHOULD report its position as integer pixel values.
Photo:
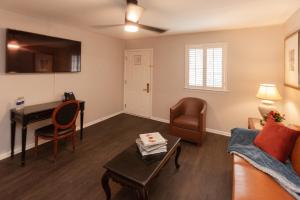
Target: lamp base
(266, 107)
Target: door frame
(150, 50)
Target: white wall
(254, 56)
(100, 83)
(292, 96)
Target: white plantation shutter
(205, 67)
(214, 67)
(196, 67)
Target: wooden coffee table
(132, 170)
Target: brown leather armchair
(188, 119)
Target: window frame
(224, 63)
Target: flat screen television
(34, 53)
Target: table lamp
(268, 93)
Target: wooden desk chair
(63, 125)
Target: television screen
(34, 53)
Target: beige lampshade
(268, 92)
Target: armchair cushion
(186, 122)
(48, 131)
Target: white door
(138, 82)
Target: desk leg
(24, 135)
(81, 124)
(12, 137)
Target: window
(205, 67)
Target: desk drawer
(39, 116)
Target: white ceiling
(179, 16)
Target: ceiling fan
(133, 14)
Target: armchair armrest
(202, 118)
(203, 110)
(175, 111)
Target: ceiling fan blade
(107, 26)
(132, 1)
(151, 28)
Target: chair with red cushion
(63, 125)
(188, 119)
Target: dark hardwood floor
(205, 173)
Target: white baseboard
(99, 120)
(207, 129)
(128, 113)
(210, 130)
(160, 119)
(31, 145)
(17, 150)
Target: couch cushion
(295, 157)
(187, 122)
(276, 140)
(250, 183)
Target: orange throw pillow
(276, 140)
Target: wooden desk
(31, 114)
(254, 123)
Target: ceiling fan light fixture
(132, 23)
(134, 12)
(131, 28)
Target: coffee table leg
(143, 194)
(178, 151)
(105, 185)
